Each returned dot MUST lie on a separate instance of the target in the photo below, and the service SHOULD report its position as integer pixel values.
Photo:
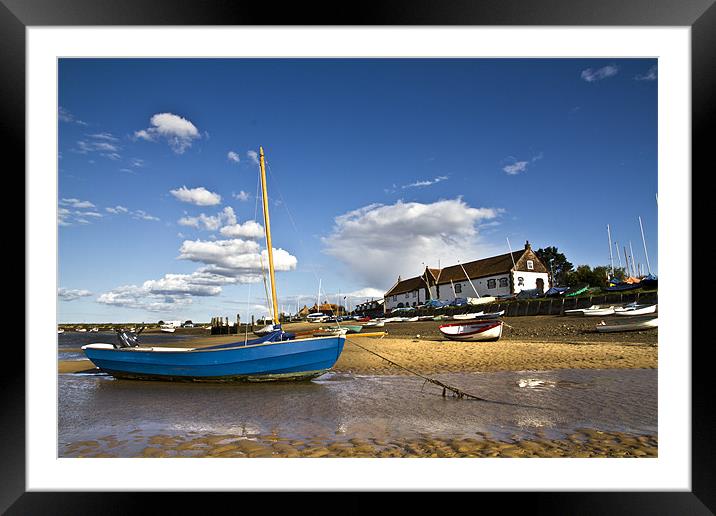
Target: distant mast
(646, 253)
(269, 246)
(611, 256)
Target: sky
(376, 167)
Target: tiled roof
(479, 268)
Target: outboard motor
(127, 339)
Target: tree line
(565, 275)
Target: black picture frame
(700, 15)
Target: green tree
(586, 275)
(556, 263)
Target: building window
(520, 281)
(407, 296)
(458, 288)
(415, 293)
(530, 265)
(491, 283)
(395, 298)
(503, 282)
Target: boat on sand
(472, 331)
(645, 324)
(634, 309)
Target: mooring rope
(458, 393)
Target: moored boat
(464, 317)
(167, 328)
(646, 324)
(276, 356)
(598, 311)
(632, 310)
(472, 331)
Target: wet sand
(540, 343)
(581, 444)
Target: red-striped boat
(472, 331)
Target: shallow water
(549, 404)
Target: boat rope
(458, 393)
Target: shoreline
(528, 343)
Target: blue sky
(375, 167)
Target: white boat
(60, 330)
(412, 319)
(580, 311)
(82, 330)
(491, 315)
(599, 312)
(464, 317)
(631, 326)
(326, 332)
(472, 331)
(319, 317)
(375, 324)
(94, 330)
(635, 310)
(166, 328)
(480, 300)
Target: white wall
(530, 280)
(446, 290)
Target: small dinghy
(635, 310)
(412, 319)
(472, 331)
(465, 317)
(599, 312)
(631, 326)
(490, 315)
(594, 310)
(330, 332)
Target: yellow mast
(269, 247)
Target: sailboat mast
(644, 242)
(267, 223)
(611, 256)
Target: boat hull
(637, 326)
(271, 361)
(487, 331)
(636, 311)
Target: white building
(502, 275)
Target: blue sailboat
(277, 355)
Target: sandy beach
(528, 343)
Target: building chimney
(528, 247)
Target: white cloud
(241, 196)
(199, 196)
(234, 258)
(210, 222)
(104, 136)
(592, 75)
(426, 182)
(380, 242)
(143, 215)
(99, 145)
(253, 156)
(67, 294)
(232, 156)
(133, 296)
(76, 203)
(65, 116)
(178, 132)
(249, 229)
(650, 75)
(515, 168)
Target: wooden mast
(269, 246)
